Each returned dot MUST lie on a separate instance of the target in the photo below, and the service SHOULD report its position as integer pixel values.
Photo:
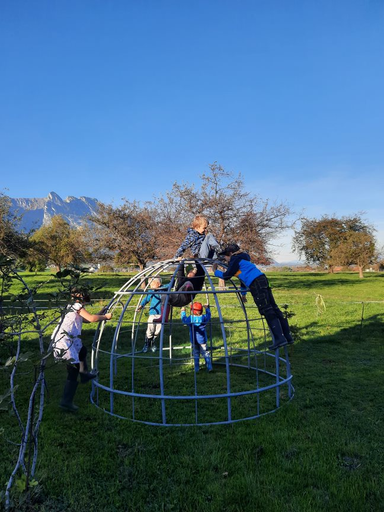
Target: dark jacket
(196, 281)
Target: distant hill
(38, 212)
(292, 263)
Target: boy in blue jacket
(239, 264)
(197, 323)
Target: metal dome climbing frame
(162, 388)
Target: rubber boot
(279, 340)
(68, 394)
(152, 344)
(146, 345)
(85, 375)
(286, 331)
(208, 362)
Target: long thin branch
(23, 446)
(12, 386)
(40, 415)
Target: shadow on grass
(366, 329)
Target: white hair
(155, 280)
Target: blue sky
(121, 98)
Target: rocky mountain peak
(36, 212)
(54, 198)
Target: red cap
(196, 306)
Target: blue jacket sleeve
(243, 289)
(207, 315)
(184, 318)
(146, 299)
(232, 269)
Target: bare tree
(133, 233)
(234, 214)
(125, 234)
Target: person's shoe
(145, 348)
(153, 348)
(87, 376)
(289, 338)
(279, 340)
(277, 345)
(68, 407)
(208, 362)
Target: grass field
(321, 451)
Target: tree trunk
(361, 275)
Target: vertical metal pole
(161, 376)
(133, 377)
(111, 373)
(227, 365)
(288, 366)
(277, 378)
(113, 349)
(170, 335)
(163, 412)
(361, 320)
(196, 412)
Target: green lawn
(321, 451)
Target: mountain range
(37, 212)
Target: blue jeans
(201, 349)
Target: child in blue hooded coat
(197, 323)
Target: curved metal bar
(233, 350)
(197, 397)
